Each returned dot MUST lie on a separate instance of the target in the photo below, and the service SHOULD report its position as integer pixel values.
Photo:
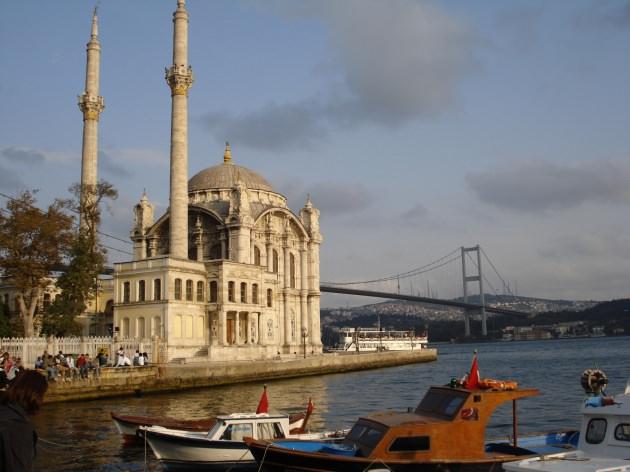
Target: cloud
(331, 198)
(396, 61)
(543, 186)
(109, 165)
(22, 156)
(415, 216)
(605, 14)
(10, 180)
(274, 127)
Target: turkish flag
(473, 378)
(263, 404)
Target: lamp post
(304, 335)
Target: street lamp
(304, 335)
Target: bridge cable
(417, 271)
(496, 272)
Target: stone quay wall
(126, 381)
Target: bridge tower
(473, 278)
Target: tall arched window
(256, 256)
(125, 328)
(200, 291)
(269, 297)
(157, 289)
(254, 293)
(189, 290)
(141, 291)
(292, 270)
(126, 292)
(231, 291)
(214, 291)
(140, 331)
(243, 292)
(178, 289)
(275, 261)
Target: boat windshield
(363, 438)
(443, 403)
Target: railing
(28, 349)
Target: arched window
(189, 290)
(156, 328)
(157, 289)
(178, 289)
(141, 291)
(141, 327)
(215, 251)
(269, 297)
(231, 291)
(214, 291)
(126, 292)
(274, 261)
(125, 328)
(256, 256)
(292, 270)
(243, 292)
(200, 291)
(254, 293)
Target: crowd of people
(68, 367)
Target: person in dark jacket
(18, 438)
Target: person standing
(18, 403)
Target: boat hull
(277, 460)
(187, 451)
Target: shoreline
(159, 378)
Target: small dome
(225, 176)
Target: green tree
(33, 244)
(86, 261)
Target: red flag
(263, 404)
(310, 407)
(473, 378)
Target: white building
(229, 271)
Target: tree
(33, 244)
(86, 261)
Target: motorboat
(223, 447)
(128, 425)
(445, 432)
(604, 443)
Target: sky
(417, 127)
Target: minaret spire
(179, 78)
(91, 105)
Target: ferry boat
(604, 443)
(375, 340)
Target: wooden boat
(446, 432)
(604, 443)
(128, 425)
(222, 447)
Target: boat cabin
(605, 430)
(237, 426)
(448, 422)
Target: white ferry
(373, 339)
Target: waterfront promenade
(125, 381)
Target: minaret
(91, 104)
(179, 78)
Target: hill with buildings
(546, 319)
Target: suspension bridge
(471, 273)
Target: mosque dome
(226, 175)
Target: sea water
(80, 436)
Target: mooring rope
(262, 461)
(376, 460)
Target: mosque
(229, 272)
